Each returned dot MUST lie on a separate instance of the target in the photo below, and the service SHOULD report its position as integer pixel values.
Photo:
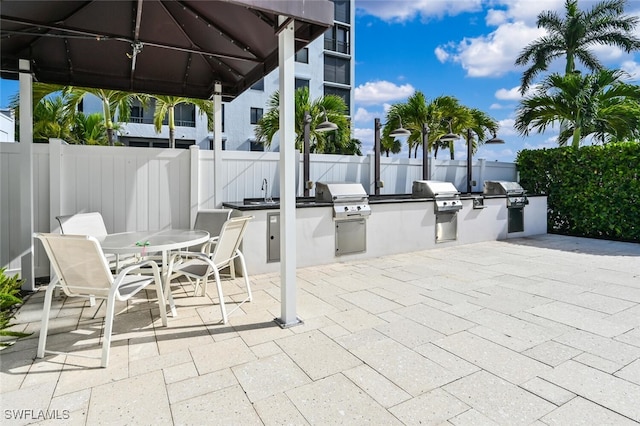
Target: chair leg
(169, 297)
(245, 274)
(108, 325)
(44, 325)
(162, 303)
(220, 296)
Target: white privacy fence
(148, 188)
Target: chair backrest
(79, 264)
(229, 240)
(83, 224)
(212, 220)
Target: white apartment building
(326, 66)
(7, 125)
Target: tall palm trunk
(108, 120)
(172, 127)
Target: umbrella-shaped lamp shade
(400, 132)
(449, 137)
(326, 125)
(494, 140)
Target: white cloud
(633, 68)
(406, 10)
(526, 11)
(375, 92)
(505, 127)
(364, 135)
(496, 106)
(441, 54)
(362, 115)
(512, 94)
(493, 55)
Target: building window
(302, 56)
(337, 70)
(256, 146)
(256, 115)
(258, 85)
(301, 82)
(137, 113)
(336, 39)
(185, 115)
(342, 11)
(345, 94)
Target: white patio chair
(91, 224)
(212, 220)
(216, 255)
(83, 271)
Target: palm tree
(414, 114)
(598, 104)
(51, 120)
(165, 107)
(481, 124)
(329, 107)
(114, 104)
(89, 129)
(573, 35)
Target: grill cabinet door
(351, 236)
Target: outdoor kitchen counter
(397, 224)
(251, 204)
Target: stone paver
(542, 330)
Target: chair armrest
(139, 265)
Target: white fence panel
(133, 188)
(398, 174)
(10, 202)
(245, 171)
(339, 168)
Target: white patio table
(146, 242)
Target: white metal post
(26, 175)
(217, 145)
(288, 159)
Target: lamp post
(306, 157)
(376, 155)
(425, 149)
(325, 126)
(469, 163)
(493, 140)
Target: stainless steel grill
(350, 200)
(516, 200)
(445, 195)
(350, 211)
(446, 205)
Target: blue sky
(461, 48)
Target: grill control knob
(358, 207)
(346, 209)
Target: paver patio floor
(539, 330)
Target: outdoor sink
(260, 203)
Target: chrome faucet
(265, 188)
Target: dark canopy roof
(178, 48)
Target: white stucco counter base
(392, 228)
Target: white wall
(149, 188)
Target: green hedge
(593, 191)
